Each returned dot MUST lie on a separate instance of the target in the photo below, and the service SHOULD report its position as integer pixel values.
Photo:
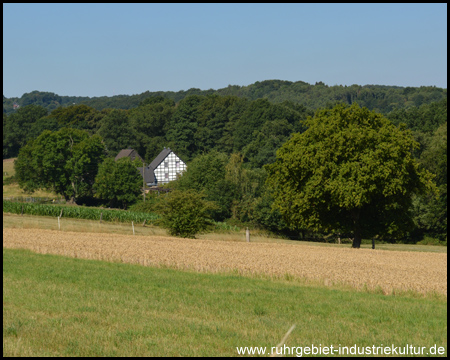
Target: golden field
(360, 268)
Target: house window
(166, 175)
(166, 164)
(177, 163)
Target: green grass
(58, 306)
(8, 167)
(13, 190)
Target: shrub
(185, 213)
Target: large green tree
(64, 161)
(206, 173)
(352, 171)
(430, 213)
(16, 128)
(117, 132)
(118, 182)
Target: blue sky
(112, 49)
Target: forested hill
(381, 98)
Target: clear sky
(112, 49)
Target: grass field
(207, 296)
(60, 306)
(8, 167)
(13, 190)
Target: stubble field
(389, 271)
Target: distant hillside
(375, 97)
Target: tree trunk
(356, 242)
(356, 231)
(74, 195)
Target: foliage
(430, 213)
(314, 96)
(117, 132)
(16, 128)
(425, 118)
(150, 120)
(77, 212)
(253, 121)
(185, 213)
(207, 173)
(81, 117)
(184, 126)
(351, 171)
(65, 161)
(119, 182)
(147, 206)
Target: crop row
(77, 212)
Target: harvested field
(388, 270)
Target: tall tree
(16, 128)
(183, 126)
(65, 161)
(117, 132)
(351, 171)
(430, 213)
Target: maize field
(77, 212)
(389, 271)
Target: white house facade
(166, 166)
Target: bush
(146, 206)
(185, 213)
(432, 241)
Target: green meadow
(59, 306)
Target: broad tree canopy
(64, 161)
(352, 171)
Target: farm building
(164, 168)
(132, 154)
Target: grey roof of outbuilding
(149, 174)
(126, 153)
(160, 158)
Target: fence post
(101, 214)
(132, 224)
(247, 235)
(59, 224)
(22, 211)
(373, 243)
(61, 212)
(144, 222)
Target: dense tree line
(227, 140)
(195, 125)
(375, 97)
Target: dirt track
(419, 271)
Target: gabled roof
(160, 158)
(149, 174)
(131, 153)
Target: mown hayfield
(61, 306)
(13, 190)
(8, 167)
(386, 271)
